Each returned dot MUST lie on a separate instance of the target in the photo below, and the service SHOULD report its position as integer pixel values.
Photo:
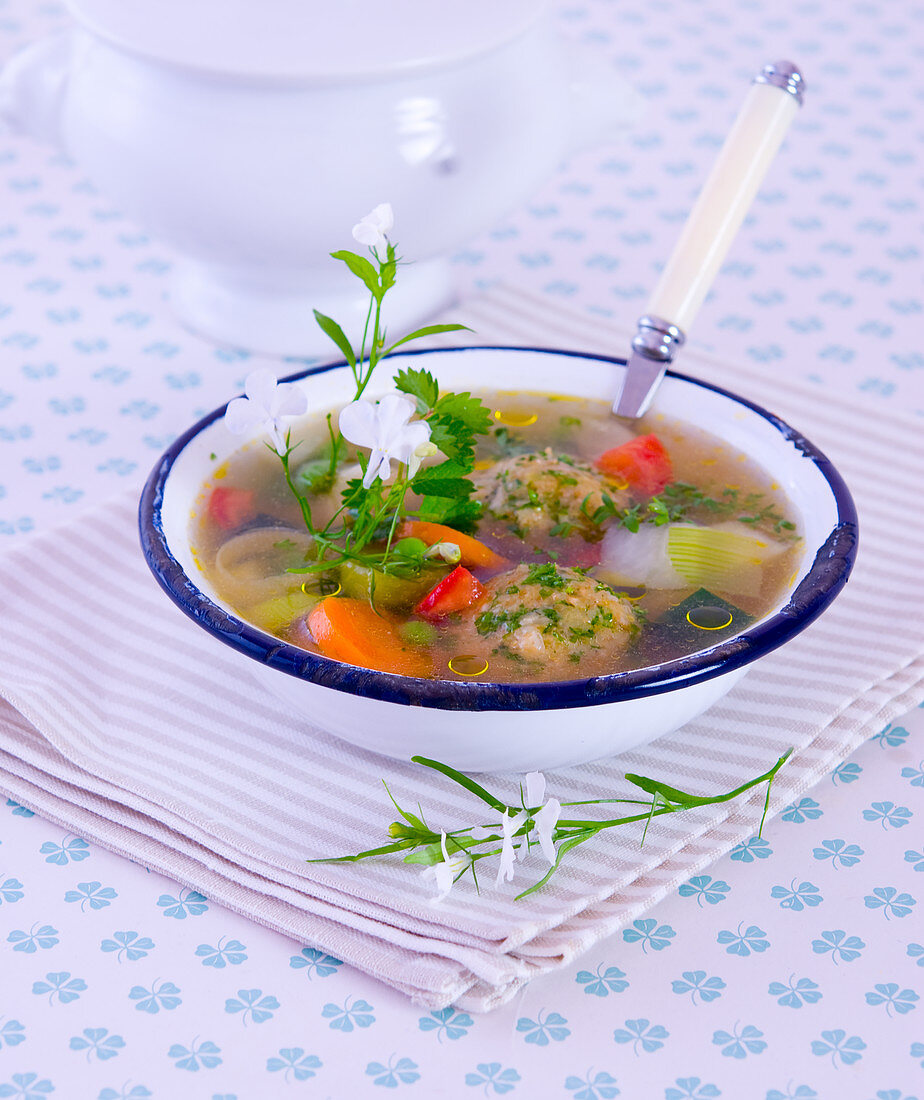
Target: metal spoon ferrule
(785, 75)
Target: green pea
(418, 633)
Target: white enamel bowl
(513, 727)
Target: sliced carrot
(455, 592)
(353, 632)
(642, 461)
(475, 555)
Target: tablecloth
(789, 969)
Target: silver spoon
(770, 106)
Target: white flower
(546, 817)
(447, 871)
(385, 429)
(373, 228)
(266, 407)
(508, 854)
(545, 821)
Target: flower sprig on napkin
(537, 822)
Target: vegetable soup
(564, 544)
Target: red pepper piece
(642, 462)
(455, 592)
(230, 507)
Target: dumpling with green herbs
(552, 618)
(544, 493)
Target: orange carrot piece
(353, 632)
(475, 555)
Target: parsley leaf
(420, 384)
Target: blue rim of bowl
(826, 577)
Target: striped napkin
(123, 722)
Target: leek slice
(728, 556)
(275, 614)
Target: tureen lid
(306, 39)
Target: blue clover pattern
(11, 890)
(312, 961)
(544, 1029)
(843, 948)
(643, 1035)
(744, 943)
(350, 1015)
(446, 1022)
(38, 938)
(252, 1004)
(294, 1064)
(70, 850)
(806, 809)
(649, 934)
(603, 981)
(796, 992)
(819, 290)
(493, 1078)
(189, 903)
(914, 775)
(915, 858)
(98, 1042)
(27, 1086)
(12, 1033)
(897, 1000)
(398, 1071)
(92, 894)
(204, 1055)
(848, 772)
(796, 898)
(130, 946)
(890, 902)
(699, 985)
(592, 1086)
(230, 953)
(750, 850)
(691, 1088)
(161, 995)
(60, 987)
(839, 852)
(740, 1043)
(705, 889)
(844, 1049)
(891, 737)
(888, 815)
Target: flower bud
(447, 551)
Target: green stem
(302, 500)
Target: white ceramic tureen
(247, 135)
(519, 727)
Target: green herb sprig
(467, 847)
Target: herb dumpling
(545, 493)
(552, 616)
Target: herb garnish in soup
(520, 537)
(492, 536)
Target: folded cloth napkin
(125, 723)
